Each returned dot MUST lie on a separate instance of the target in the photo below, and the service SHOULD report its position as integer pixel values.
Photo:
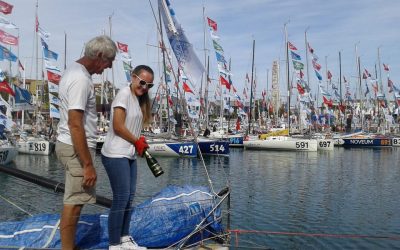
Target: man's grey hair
(101, 44)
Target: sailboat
(286, 143)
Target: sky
(332, 26)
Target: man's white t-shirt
(115, 146)
(76, 92)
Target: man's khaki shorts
(74, 193)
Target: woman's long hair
(144, 100)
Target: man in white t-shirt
(76, 142)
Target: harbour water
(345, 199)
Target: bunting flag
(7, 24)
(186, 88)
(318, 75)
(127, 66)
(182, 48)
(48, 64)
(52, 87)
(367, 73)
(125, 57)
(53, 77)
(217, 46)
(212, 24)
(310, 49)
(214, 36)
(2, 76)
(44, 44)
(344, 79)
(295, 56)
(316, 65)
(22, 100)
(298, 65)
(328, 101)
(291, 46)
(54, 99)
(54, 112)
(5, 8)
(8, 38)
(22, 95)
(43, 34)
(364, 76)
(5, 54)
(170, 102)
(329, 75)
(48, 54)
(385, 67)
(390, 85)
(220, 57)
(225, 82)
(4, 87)
(300, 89)
(122, 47)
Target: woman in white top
(130, 110)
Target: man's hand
(89, 176)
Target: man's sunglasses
(142, 82)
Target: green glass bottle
(153, 164)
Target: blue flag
(318, 75)
(6, 54)
(295, 56)
(48, 54)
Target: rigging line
(356, 236)
(184, 106)
(15, 205)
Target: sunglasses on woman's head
(142, 82)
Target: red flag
(234, 90)
(316, 65)
(329, 75)
(171, 103)
(225, 82)
(342, 108)
(212, 24)
(327, 102)
(53, 77)
(301, 74)
(364, 76)
(37, 24)
(186, 88)
(5, 8)
(386, 67)
(366, 72)
(4, 87)
(300, 89)
(8, 38)
(122, 47)
(291, 46)
(310, 49)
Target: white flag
(7, 24)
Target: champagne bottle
(153, 164)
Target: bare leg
(69, 220)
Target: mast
(287, 77)
(206, 91)
(266, 97)
(164, 71)
(306, 46)
(251, 89)
(359, 82)
(340, 84)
